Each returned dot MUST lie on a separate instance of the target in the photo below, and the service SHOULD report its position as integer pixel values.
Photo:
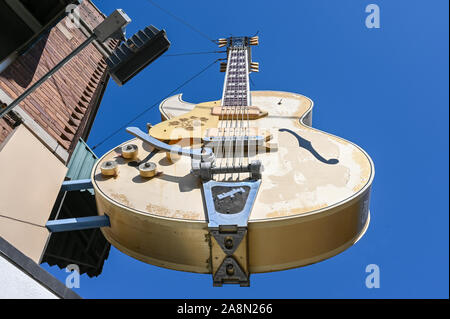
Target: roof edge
(96, 8)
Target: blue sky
(384, 89)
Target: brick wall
(65, 104)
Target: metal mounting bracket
(229, 256)
(81, 223)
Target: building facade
(40, 138)
(62, 109)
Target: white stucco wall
(15, 284)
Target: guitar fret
(236, 87)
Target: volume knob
(147, 169)
(129, 151)
(109, 168)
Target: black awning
(86, 248)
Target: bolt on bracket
(229, 256)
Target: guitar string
(244, 108)
(224, 112)
(218, 146)
(224, 120)
(238, 137)
(238, 105)
(242, 105)
(234, 89)
(233, 143)
(248, 115)
(229, 156)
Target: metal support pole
(72, 224)
(32, 88)
(76, 185)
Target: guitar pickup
(238, 112)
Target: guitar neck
(236, 91)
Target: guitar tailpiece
(228, 206)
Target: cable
(182, 21)
(192, 53)
(155, 104)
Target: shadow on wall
(23, 68)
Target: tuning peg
(254, 40)
(222, 42)
(223, 66)
(254, 66)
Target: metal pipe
(88, 31)
(76, 185)
(82, 223)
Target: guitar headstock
(238, 42)
(242, 43)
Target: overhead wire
(155, 104)
(204, 35)
(192, 53)
(190, 26)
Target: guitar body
(312, 203)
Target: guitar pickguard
(193, 124)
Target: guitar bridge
(207, 170)
(234, 141)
